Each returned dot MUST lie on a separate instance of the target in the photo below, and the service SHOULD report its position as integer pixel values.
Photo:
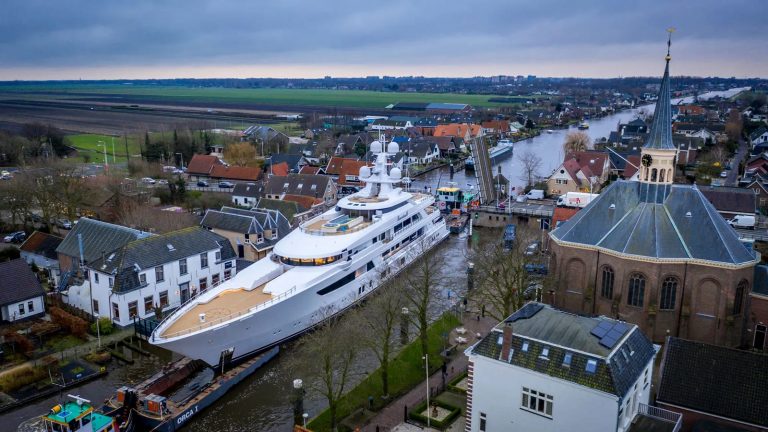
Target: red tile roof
(497, 125)
(562, 214)
(280, 169)
(304, 201)
(457, 130)
(572, 168)
(235, 173)
(631, 168)
(334, 165)
(350, 167)
(203, 164)
(595, 160)
(308, 169)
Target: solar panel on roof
(613, 335)
(601, 329)
(526, 312)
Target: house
(293, 161)
(252, 233)
(315, 186)
(40, 249)
(87, 241)
(21, 295)
(345, 171)
(731, 201)
(581, 171)
(759, 136)
(464, 131)
(279, 169)
(235, 173)
(309, 169)
(129, 281)
(420, 152)
(715, 388)
(200, 166)
(266, 135)
(295, 212)
(496, 127)
(247, 194)
(545, 369)
(562, 214)
(349, 143)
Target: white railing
(661, 414)
(227, 317)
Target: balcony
(654, 419)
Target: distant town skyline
(305, 39)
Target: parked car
(532, 249)
(202, 183)
(724, 174)
(536, 268)
(15, 237)
(162, 182)
(148, 180)
(226, 185)
(64, 223)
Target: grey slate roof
(717, 380)
(731, 199)
(98, 237)
(653, 221)
(297, 184)
(251, 221)
(660, 135)
(17, 282)
(127, 261)
(250, 190)
(563, 332)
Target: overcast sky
(105, 39)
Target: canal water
(263, 402)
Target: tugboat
(457, 204)
(78, 415)
(584, 125)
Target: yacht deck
(225, 305)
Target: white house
(163, 270)
(420, 152)
(21, 295)
(247, 194)
(759, 136)
(547, 370)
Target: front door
(240, 251)
(760, 333)
(184, 291)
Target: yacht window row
(309, 261)
(347, 279)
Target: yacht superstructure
(320, 269)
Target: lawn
(267, 96)
(63, 342)
(406, 371)
(92, 144)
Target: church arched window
(606, 286)
(668, 293)
(738, 297)
(636, 291)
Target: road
(733, 173)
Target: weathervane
(669, 42)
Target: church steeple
(658, 152)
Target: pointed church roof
(660, 136)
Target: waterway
(263, 401)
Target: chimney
(506, 342)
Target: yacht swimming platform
(225, 305)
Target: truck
(743, 221)
(575, 199)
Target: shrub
(105, 327)
(415, 413)
(76, 325)
(21, 376)
(21, 343)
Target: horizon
(299, 39)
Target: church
(655, 253)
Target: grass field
(298, 97)
(92, 144)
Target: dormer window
(274, 234)
(525, 346)
(544, 353)
(591, 366)
(567, 359)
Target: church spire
(660, 136)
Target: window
(149, 303)
(159, 274)
(163, 298)
(738, 297)
(111, 282)
(143, 278)
(204, 260)
(218, 255)
(21, 309)
(636, 290)
(537, 402)
(215, 279)
(668, 293)
(203, 284)
(567, 359)
(183, 266)
(259, 238)
(544, 353)
(591, 366)
(95, 278)
(96, 307)
(606, 289)
(133, 309)
(274, 234)
(227, 274)
(116, 311)
(525, 346)
(482, 422)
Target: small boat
(584, 125)
(457, 221)
(452, 197)
(78, 415)
(549, 131)
(501, 147)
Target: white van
(743, 221)
(535, 194)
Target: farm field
(91, 143)
(265, 96)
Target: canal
(263, 401)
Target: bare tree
(503, 283)
(422, 281)
(240, 154)
(734, 125)
(379, 319)
(576, 142)
(327, 356)
(531, 164)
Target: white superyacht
(325, 266)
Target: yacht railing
(229, 317)
(183, 306)
(305, 227)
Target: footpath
(391, 416)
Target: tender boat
(584, 125)
(502, 147)
(320, 269)
(78, 415)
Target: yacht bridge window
(309, 261)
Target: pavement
(390, 418)
(733, 173)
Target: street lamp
(426, 370)
(305, 416)
(98, 330)
(106, 161)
